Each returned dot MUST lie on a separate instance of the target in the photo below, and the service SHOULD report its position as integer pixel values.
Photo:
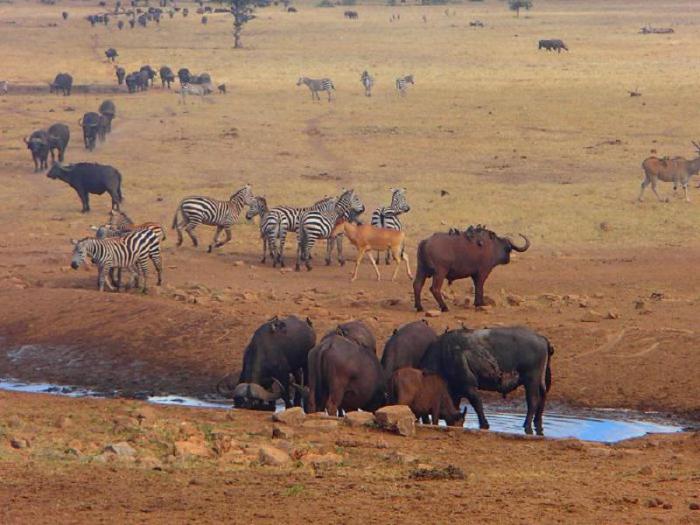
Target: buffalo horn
(520, 248)
(241, 390)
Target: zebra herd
(367, 80)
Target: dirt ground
(492, 132)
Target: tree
(242, 11)
(517, 5)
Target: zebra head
(349, 205)
(409, 79)
(302, 80)
(398, 200)
(119, 219)
(258, 206)
(80, 251)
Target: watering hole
(560, 421)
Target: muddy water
(606, 426)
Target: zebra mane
(243, 194)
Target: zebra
(367, 81)
(258, 206)
(4, 86)
(130, 251)
(317, 224)
(402, 84)
(194, 89)
(388, 216)
(212, 212)
(316, 85)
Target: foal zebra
(367, 81)
(131, 251)
(211, 212)
(402, 84)
(388, 216)
(316, 85)
(318, 224)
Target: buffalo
(184, 76)
(132, 81)
(358, 332)
(38, 144)
(108, 111)
(150, 73)
(277, 350)
(63, 82)
(91, 127)
(86, 178)
(406, 346)
(111, 54)
(456, 255)
(552, 45)
(59, 136)
(166, 76)
(121, 73)
(64, 14)
(120, 25)
(495, 359)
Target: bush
(325, 3)
(348, 2)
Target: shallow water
(601, 425)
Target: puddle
(600, 425)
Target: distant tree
(242, 11)
(517, 5)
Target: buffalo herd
(430, 373)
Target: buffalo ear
(395, 331)
(308, 321)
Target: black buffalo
(121, 73)
(358, 332)
(63, 82)
(495, 359)
(91, 127)
(108, 110)
(552, 45)
(86, 178)
(59, 136)
(38, 144)
(132, 81)
(166, 76)
(111, 54)
(132, 23)
(65, 15)
(204, 78)
(406, 346)
(120, 25)
(151, 74)
(184, 75)
(278, 349)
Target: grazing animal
(367, 82)
(212, 212)
(426, 394)
(150, 73)
(204, 79)
(552, 45)
(166, 76)
(111, 54)
(121, 73)
(402, 84)
(192, 89)
(108, 110)
(4, 86)
(406, 346)
(388, 216)
(184, 75)
(64, 15)
(319, 224)
(132, 23)
(59, 136)
(677, 170)
(38, 144)
(120, 25)
(495, 359)
(366, 237)
(316, 85)
(476, 23)
(279, 348)
(63, 82)
(91, 127)
(351, 15)
(473, 253)
(86, 178)
(291, 10)
(132, 82)
(221, 88)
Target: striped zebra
(317, 224)
(211, 212)
(402, 84)
(388, 216)
(316, 85)
(131, 252)
(367, 81)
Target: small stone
(19, 443)
(273, 456)
(282, 432)
(292, 416)
(514, 300)
(605, 226)
(631, 500)
(433, 313)
(612, 314)
(591, 316)
(650, 503)
(359, 419)
(694, 506)
(667, 506)
(646, 470)
(323, 460)
(398, 418)
(121, 449)
(489, 301)
(238, 263)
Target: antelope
(677, 170)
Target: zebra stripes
(316, 85)
(318, 224)
(211, 212)
(388, 216)
(402, 84)
(367, 81)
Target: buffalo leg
(475, 401)
(435, 288)
(115, 200)
(418, 284)
(479, 280)
(85, 199)
(539, 428)
(532, 397)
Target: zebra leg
(158, 264)
(299, 250)
(215, 241)
(228, 238)
(190, 231)
(329, 249)
(339, 246)
(264, 250)
(280, 249)
(142, 268)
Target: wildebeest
(166, 76)
(108, 110)
(278, 349)
(121, 73)
(495, 359)
(677, 170)
(472, 253)
(91, 127)
(86, 178)
(59, 136)
(552, 45)
(150, 72)
(111, 54)
(38, 144)
(406, 346)
(426, 394)
(62, 82)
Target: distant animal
(166, 76)
(102, 128)
(204, 20)
(204, 78)
(142, 20)
(62, 82)
(426, 394)
(64, 15)
(316, 85)
(278, 349)
(120, 25)
(406, 346)
(150, 72)
(351, 15)
(192, 89)
(291, 10)
(38, 144)
(366, 237)
(132, 23)
(402, 84)
(121, 73)
(185, 12)
(142, 79)
(211, 212)
(222, 89)
(388, 216)
(132, 81)
(108, 110)
(552, 45)
(473, 253)
(86, 178)
(367, 82)
(476, 23)
(677, 170)
(59, 136)
(91, 127)
(4, 86)
(111, 54)
(184, 76)
(496, 359)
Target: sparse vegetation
(517, 5)
(242, 11)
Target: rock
(19, 443)
(273, 456)
(694, 506)
(591, 316)
(190, 448)
(489, 301)
(397, 418)
(282, 432)
(612, 314)
(433, 313)
(321, 425)
(605, 226)
(323, 460)
(645, 470)
(292, 416)
(552, 298)
(514, 300)
(121, 449)
(238, 263)
(667, 506)
(359, 419)
(650, 503)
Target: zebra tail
(174, 221)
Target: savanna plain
(493, 132)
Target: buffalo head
(58, 171)
(254, 396)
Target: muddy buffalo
(406, 346)
(86, 178)
(38, 144)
